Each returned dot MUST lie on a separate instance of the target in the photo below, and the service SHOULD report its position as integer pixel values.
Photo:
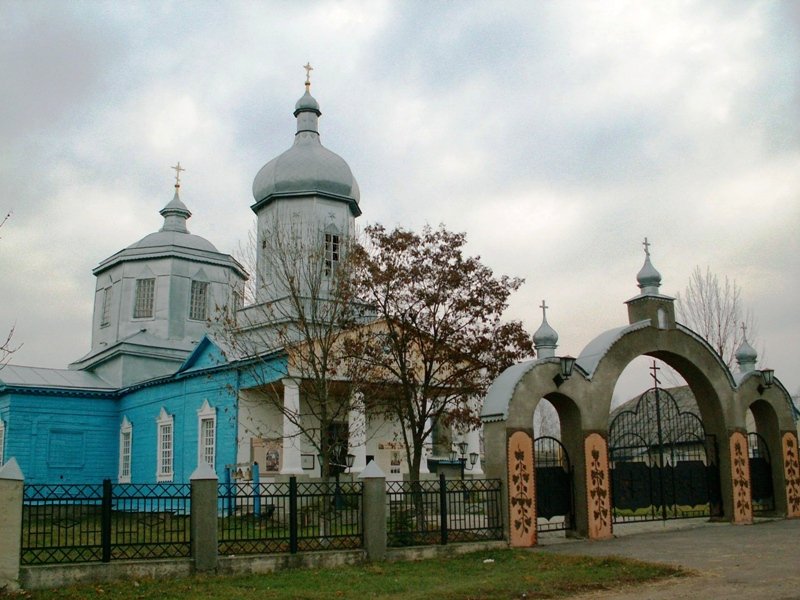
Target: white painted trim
(165, 421)
(125, 429)
(206, 413)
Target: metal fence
(443, 511)
(290, 517)
(104, 522)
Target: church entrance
(554, 495)
(663, 464)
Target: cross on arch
(654, 373)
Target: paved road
(730, 561)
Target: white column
(474, 445)
(426, 444)
(357, 426)
(291, 432)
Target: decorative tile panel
(791, 469)
(740, 477)
(521, 490)
(598, 494)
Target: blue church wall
(60, 438)
(181, 399)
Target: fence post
(443, 507)
(293, 515)
(105, 521)
(374, 511)
(204, 517)
(11, 482)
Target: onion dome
(545, 340)
(648, 278)
(307, 168)
(746, 356)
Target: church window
(165, 450)
(331, 253)
(125, 447)
(206, 434)
(105, 315)
(198, 302)
(145, 296)
(2, 441)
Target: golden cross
(178, 168)
(308, 69)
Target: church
(160, 391)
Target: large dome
(307, 167)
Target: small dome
(745, 353)
(545, 335)
(307, 167)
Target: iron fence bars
(443, 511)
(263, 518)
(61, 524)
(150, 521)
(103, 522)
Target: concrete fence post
(11, 481)
(204, 518)
(374, 511)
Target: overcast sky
(557, 135)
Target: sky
(557, 135)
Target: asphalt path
(727, 561)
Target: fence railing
(104, 522)
(443, 511)
(258, 518)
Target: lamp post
(767, 380)
(462, 458)
(565, 364)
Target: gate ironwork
(554, 506)
(760, 474)
(663, 465)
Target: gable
(206, 355)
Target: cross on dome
(744, 330)
(308, 69)
(646, 245)
(544, 308)
(178, 168)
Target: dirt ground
(745, 561)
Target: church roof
(38, 377)
(307, 168)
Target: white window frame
(144, 300)
(206, 434)
(165, 446)
(125, 451)
(105, 310)
(198, 300)
(2, 442)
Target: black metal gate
(663, 465)
(760, 474)
(554, 507)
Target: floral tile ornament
(791, 469)
(740, 477)
(521, 490)
(598, 492)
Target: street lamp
(767, 380)
(462, 450)
(565, 364)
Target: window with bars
(105, 314)
(198, 301)
(331, 253)
(145, 297)
(165, 447)
(125, 447)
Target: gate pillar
(521, 489)
(598, 492)
(740, 479)
(791, 470)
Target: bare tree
(714, 308)
(6, 347)
(303, 307)
(440, 339)
(545, 420)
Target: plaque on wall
(268, 454)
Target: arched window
(125, 451)
(206, 434)
(165, 450)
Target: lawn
(481, 575)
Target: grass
(476, 576)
